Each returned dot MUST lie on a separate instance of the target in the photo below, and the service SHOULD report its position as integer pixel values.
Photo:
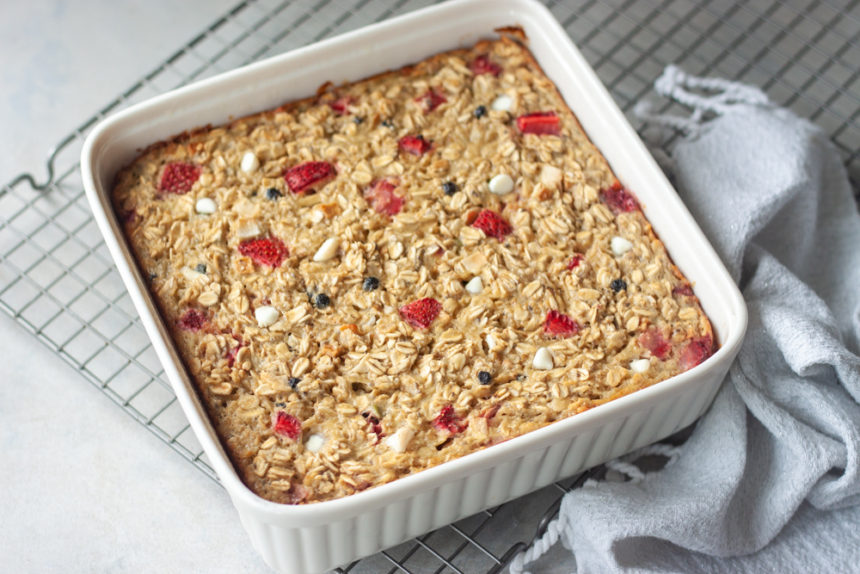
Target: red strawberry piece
(269, 251)
(685, 289)
(193, 320)
(619, 199)
(540, 123)
(575, 261)
(483, 65)
(341, 105)
(492, 224)
(653, 340)
(416, 145)
(421, 313)
(447, 420)
(431, 100)
(696, 351)
(287, 425)
(178, 177)
(382, 198)
(560, 325)
(302, 177)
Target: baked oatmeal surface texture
(401, 271)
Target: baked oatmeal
(403, 270)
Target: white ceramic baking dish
(316, 537)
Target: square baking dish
(319, 536)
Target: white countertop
(86, 488)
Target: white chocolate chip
(542, 360)
(250, 163)
(266, 315)
(502, 184)
(503, 103)
(620, 246)
(205, 206)
(400, 439)
(640, 365)
(475, 286)
(315, 442)
(327, 250)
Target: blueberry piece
(321, 301)
(201, 268)
(618, 284)
(480, 111)
(294, 382)
(370, 284)
(387, 124)
(357, 120)
(273, 193)
(484, 377)
(449, 187)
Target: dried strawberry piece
(540, 123)
(178, 177)
(696, 351)
(560, 325)
(685, 289)
(653, 340)
(483, 65)
(269, 251)
(575, 261)
(618, 199)
(193, 320)
(416, 145)
(420, 313)
(492, 224)
(382, 198)
(287, 425)
(302, 177)
(448, 421)
(341, 105)
(431, 100)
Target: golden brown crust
(378, 398)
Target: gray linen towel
(771, 193)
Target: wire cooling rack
(57, 279)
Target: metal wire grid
(57, 279)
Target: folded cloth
(771, 193)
